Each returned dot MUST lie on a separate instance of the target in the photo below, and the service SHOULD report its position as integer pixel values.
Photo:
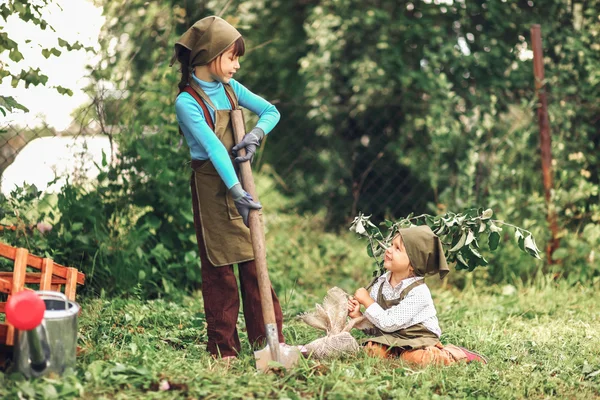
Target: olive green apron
(226, 238)
(414, 337)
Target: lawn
(541, 341)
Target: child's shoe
(472, 356)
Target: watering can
(45, 332)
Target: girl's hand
(363, 297)
(353, 308)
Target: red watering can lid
(25, 310)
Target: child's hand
(353, 308)
(363, 297)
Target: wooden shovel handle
(257, 232)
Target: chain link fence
(39, 154)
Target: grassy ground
(542, 342)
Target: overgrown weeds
(541, 341)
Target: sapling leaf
(441, 229)
(458, 233)
(450, 221)
(493, 240)
(495, 228)
(477, 254)
(487, 214)
(470, 237)
(460, 243)
(482, 226)
(520, 239)
(530, 246)
(461, 263)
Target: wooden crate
(52, 276)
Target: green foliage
(440, 96)
(117, 234)
(411, 107)
(427, 84)
(459, 234)
(31, 12)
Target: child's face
(396, 260)
(225, 66)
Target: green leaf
(476, 253)
(520, 239)
(83, 239)
(487, 214)
(449, 221)
(495, 228)
(531, 247)
(482, 226)
(440, 230)
(461, 263)
(493, 240)
(470, 237)
(369, 250)
(460, 243)
(10, 104)
(63, 90)
(15, 55)
(560, 253)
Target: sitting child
(400, 316)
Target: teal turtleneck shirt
(202, 141)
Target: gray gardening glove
(250, 141)
(243, 202)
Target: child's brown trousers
(436, 355)
(222, 302)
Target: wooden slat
(2, 308)
(59, 270)
(46, 278)
(5, 285)
(3, 332)
(55, 288)
(19, 270)
(7, 251)
(71, 286)
(34, 278)
(36, 262)
(18, 284)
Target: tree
(29, 12)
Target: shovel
(287, 356)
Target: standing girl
(209, 54)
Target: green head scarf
(206, 40)
(424, 249)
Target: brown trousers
(431, 355)
(222, 302)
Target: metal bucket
(51, 347)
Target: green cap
(424, 250)
(206, 40)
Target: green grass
(541, 341)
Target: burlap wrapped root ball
(332, 317)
